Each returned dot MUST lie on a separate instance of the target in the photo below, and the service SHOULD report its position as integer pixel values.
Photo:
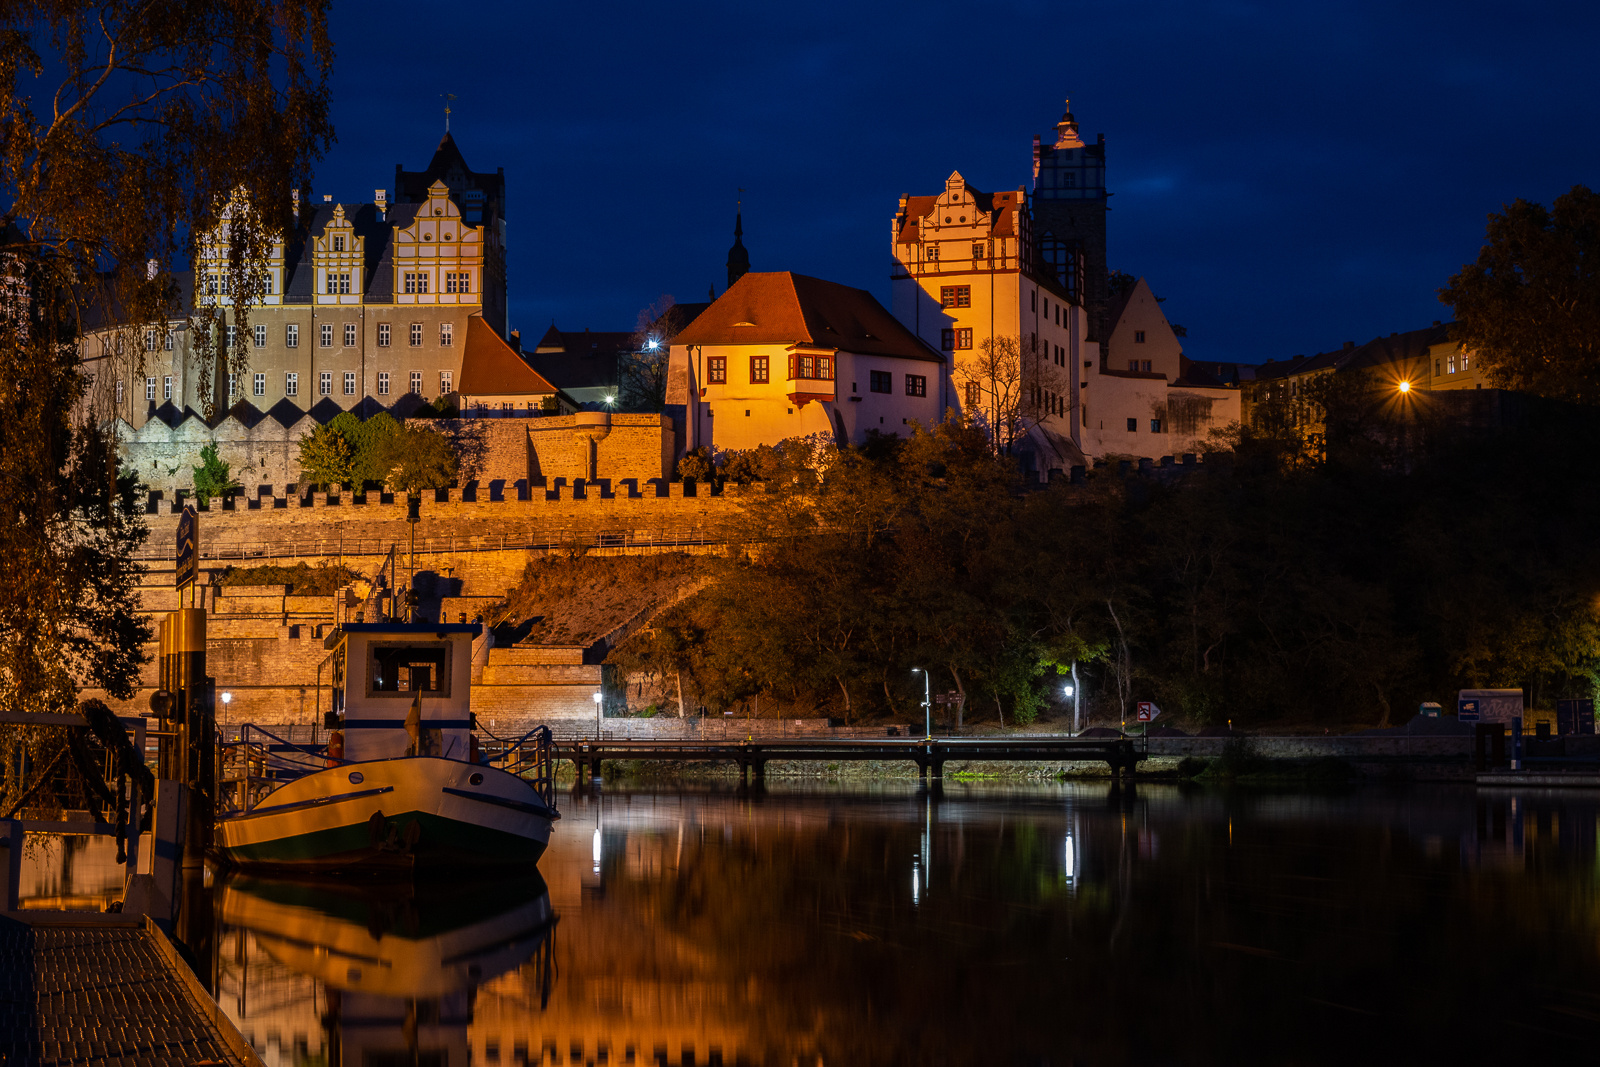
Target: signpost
(1148, 711)
(188, 559)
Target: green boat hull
(414, 840)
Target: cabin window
(405, 670)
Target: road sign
(188, 548)
(947, 698)
(1467, 710)
(1148, 711)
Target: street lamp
(1405, 387)
(597, 704)
(610, 399)
(927, 701)
(227, 698)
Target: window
(1070, 180)
(1464, 358)
(1138, 365)
(325, 383)
(349, 383)
(291, 336)
(811, 368)
(383, 383)
(338, 243)
(233, 386)
(149, 388)
(974, 395)
(947, 340)
(446, 382)
(882, 382)
(119, 390)
(233, 337)
(955, 296)
(1144, 365)
(1033, 300)
(416, 335)
(383, 335)
(261, 335)
(349, 335)
(149, 340)
(258, 385)
(1133, 425)
(1138, 337)
(416, 283)
(1450, 364)
(933, 253)
(166, 388)
(291, 384)
(977, 250)
(759, 370)
(716, 369)
(457, 283)
(401, 670)
(916, 385)
(1155, 425)
(963, 338)
(338, 283)
(1058, 314)
(266, 285)
(416, 382)
(447, 335)
(327, 335)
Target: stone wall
(261, 449)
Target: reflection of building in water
(71, 873)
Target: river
(990, 924)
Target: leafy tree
(326, 456)
(212, 477)
(1529, 307)
(414, 459)
(130, 129)
(1005, 384)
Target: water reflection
(1050, 924)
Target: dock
(103, 990)
(929, 754)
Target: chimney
(516, 340)
(380, 197)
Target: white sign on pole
(1148, 711)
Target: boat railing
(530, 757)
(258, 761)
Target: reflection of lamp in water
(597, 701)
(597, 850)
(1069, 859)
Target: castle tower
(738, 258)
(480, 198)
(1069, 217)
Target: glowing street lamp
(1405, 387)
(597, 706)
(927, 701)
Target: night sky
(1287, 176)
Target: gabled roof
(1002, 209)
(449, 166)
(490, 367)
(780, 307)
(579, 360)
(1380, 351)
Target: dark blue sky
(1289, 176)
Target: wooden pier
(929, 754)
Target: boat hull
(399, 815)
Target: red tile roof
(490, 367)
(783, 308)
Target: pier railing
(258, 761)
(530, 757)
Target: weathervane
(447, 98)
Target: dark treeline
(1336, 578)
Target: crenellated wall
(261, 449)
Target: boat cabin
(383, 671)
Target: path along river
(1042, 924)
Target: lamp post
(597, 707)
(927, 701)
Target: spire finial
(447, 98)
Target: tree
(128, 131)
(326, 456)
(211, 478)
(1009, 385)
(643, 372)
(415, 458)
(1529, 307)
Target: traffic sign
(188, 548)
(1148, 711)
(1467, 710)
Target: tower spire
(448, 97)
(738, 257)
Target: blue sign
(188, 548)
(1467, 710)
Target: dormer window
(338, 244)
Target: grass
(302, 579)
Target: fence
(546, 540)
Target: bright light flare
(1405, 387)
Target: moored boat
(405, 785)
